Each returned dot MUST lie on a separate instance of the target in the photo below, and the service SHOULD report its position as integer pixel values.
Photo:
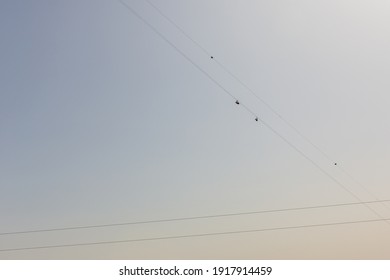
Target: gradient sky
(104, 122)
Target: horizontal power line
(192, 218)
(191, 235)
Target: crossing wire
(262, 100)
(162, 36)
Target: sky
(102, 121)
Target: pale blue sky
(104, 122)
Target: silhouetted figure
(212, 57)
(238, 103)
(257, 119)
